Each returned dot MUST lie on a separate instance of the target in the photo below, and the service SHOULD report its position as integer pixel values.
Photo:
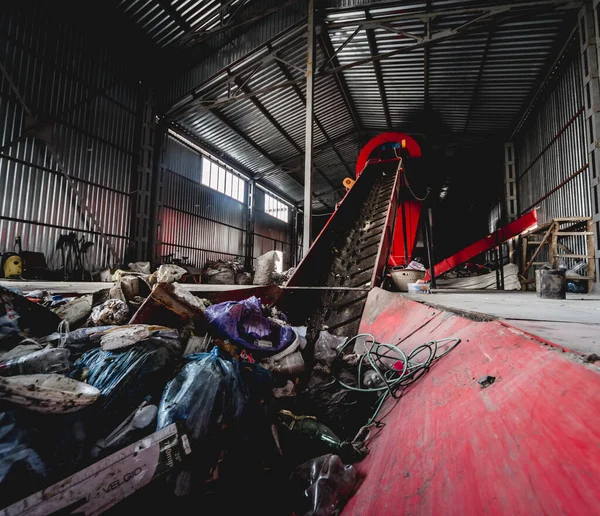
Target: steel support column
(589, 45)
(156, 202)
(250, 203)
(141, 181)
(510, 194)
(308, 148)
(295, 238)
(510, 182)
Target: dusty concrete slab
(573, 323)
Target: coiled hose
(393, 378)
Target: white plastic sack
(169, 273)
(266, 265)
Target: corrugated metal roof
(472, 82)
(168, 22)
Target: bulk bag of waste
(244, 324)
(209, 395)
(128, 376)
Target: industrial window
(276, 208)
(220, 179)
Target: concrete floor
(573, 323)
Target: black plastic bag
(20, 318)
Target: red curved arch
(411, 146)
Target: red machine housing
(409, 210)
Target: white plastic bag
(266, 265)
(169, 273)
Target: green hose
(391, 378)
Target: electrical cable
(392, 378)
(408, 184)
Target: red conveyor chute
(492, 240)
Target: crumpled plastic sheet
(43, 361)
(113, 311)
(328, 482)
(243, 323)
(168, 273)
(326, 347)
(20, 317)
(82, 340)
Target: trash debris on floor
(219, 395)
(479, 278)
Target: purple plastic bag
(243, 323)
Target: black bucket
(553, 284)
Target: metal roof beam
(319, 149)
(288, 75)
(329, 53)
(487, 18)
(202, 36)
(215, 103)
(225, 120)
(265, 112)
(478, 81)
(378, 74)
(228, 72)
(454, 11)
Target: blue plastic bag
(127, 376)
(207, 393)
(243, 323)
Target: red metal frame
(527, 444)
(411, 146)
(412, 214)
(500, 236)
(409, 211)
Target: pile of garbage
(144, 384)
(231, 390)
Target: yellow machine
(13, 266)
(12, 263)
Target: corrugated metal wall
(197, 221)
(552, 167)
(550, 148)
(203, 224)
(92, 100)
